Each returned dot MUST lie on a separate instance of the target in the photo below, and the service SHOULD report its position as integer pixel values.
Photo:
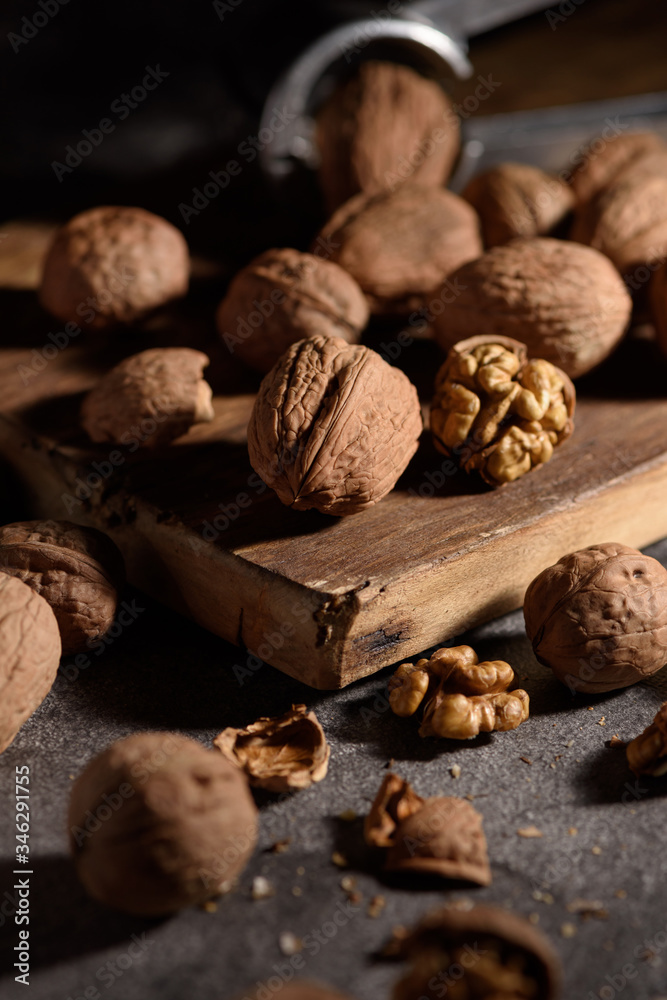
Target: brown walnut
(460, 696)
(440, 836)
(279, 754)
(29, 654)
(283, 296)
(149, 398)
(515, 199)
(113, 265)
(158, 823)
(333, 426)
(647, 753)
(78, 571)
(401, 245)
(601, 162)
(499, 953)
(598, 617)
(565, 302)
(498, 414)
(385, 126)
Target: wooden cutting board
(327, 601)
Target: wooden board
(327, 601)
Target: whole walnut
(385, 126)
(401, 245)
(113, 265)
(157, 823)
(658, 305)
(283, 296)
(604, 159)
(598, 617)
(29, 654)
(78, 571)
(514, 199)
(565, 302)
(149, 398)
(333, 426)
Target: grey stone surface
(164, 673)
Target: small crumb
(455, 771)
(570, 743)
(348, 882)
(210, 906)
(376, 906)
(393, 946)
(568, 930)
(71, 777)
(297, 890)
(620, 894)
(601, 721)
(339, 859)
(354, 898)
(262, 888)
(289, 943)
(588, 908)
(573, 831)
(529, 831)
(528, 780)
(301, 870)
(533, 918)
(616, 741)
(526, 760)
(462, 903)
(589, 708)
(281, 846)
(347, 816)
(470, 798)
(543, 897)
(552, 765)
(596, 850)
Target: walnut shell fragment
(333, 426)
(385, 126)
(158, 823)
(461, 697)
(603, 160)
(113, 265)
(77, 570)
(280, 754)
(149, 398)
(401, 245)
(29, 654)
(565, 302)
(283, 296)
(487, 952)
(498, 414)
(515, 199)
(441, 835)
(598, 617)
(647, 753)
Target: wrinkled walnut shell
(499, 952)
(384, 127)
(279, 754)
(333, 426)
(565, 302)
(29, 654)
(158, 823)
(112, 265)
(515, 199)
(601, 162)
(498, 414)
(283, 296)
(598, 617)
(401, 245)
(149, 399)
(647, 753)
(78, 571)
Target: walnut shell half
(565, 302)
(598, 617)
(385, 126)
(158, 823)
(279, 754)
(29, 654)
(78, 571)
(283, 296)
(149, 398)
(113, 265)
(333, 426)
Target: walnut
(383, 127)
(485, 953)
(498, 414)
(647, 753)
(158, 823)
(514, 199)
(598, 617)
(283, 296)
(112, 265)
(401, 245)
(78, 571)
(149, 398)
(333, 426)
(601, 162)
(565, 302)
(461, 697)
(29, 654)
(279, 754)
(441, 836)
